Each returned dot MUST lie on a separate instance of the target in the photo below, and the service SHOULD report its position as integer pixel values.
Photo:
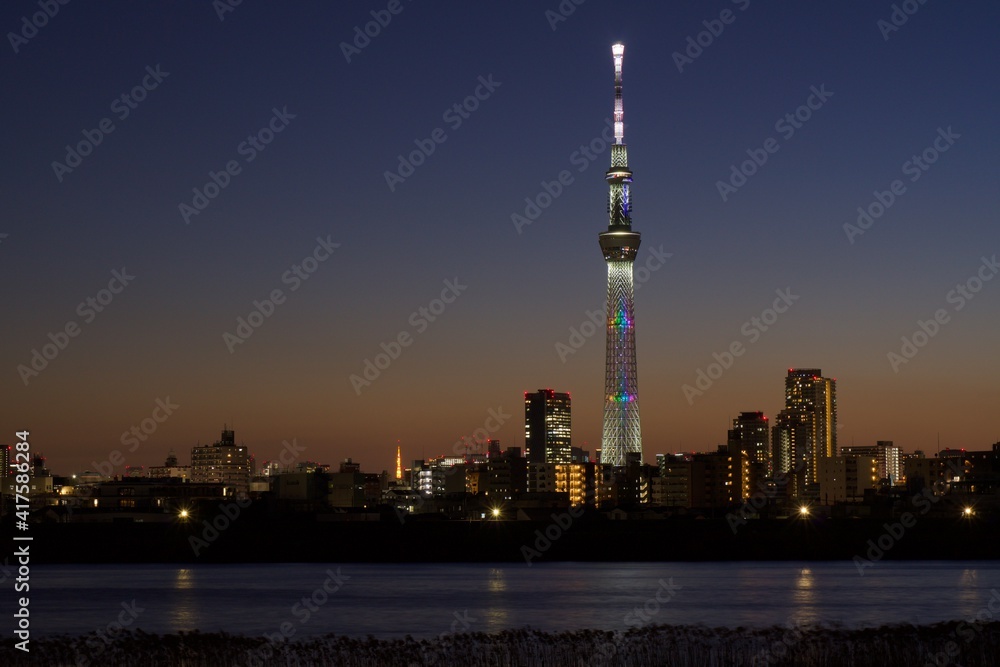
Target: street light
(967, 512)
(804, 510)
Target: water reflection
(184, 579)
(498, 582)
(804, 598)
(183, 610)
(495, 614)
(968, 593)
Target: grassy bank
(952, 643)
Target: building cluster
(796, 461)
(217, 471)
(791, 463)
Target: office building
(547, 427)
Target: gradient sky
(323, 176)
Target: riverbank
(253, 539)
(958, 642)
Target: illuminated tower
(621, 433)
(399, 464)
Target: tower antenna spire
(618, 52)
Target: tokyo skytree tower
(621, 434)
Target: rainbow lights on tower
(621, 434)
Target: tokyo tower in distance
(621, 434)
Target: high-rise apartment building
(890, 461)
(805, 431)
(547, 427)
(750, 443)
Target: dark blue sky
(324, 176)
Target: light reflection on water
(495, 617)
(968, 587)
(183, 613)
(425, 600)
(805, 609)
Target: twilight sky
(545, 90)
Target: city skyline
(751, 431)
(762, 263)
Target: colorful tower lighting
(621, 433)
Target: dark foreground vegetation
(953, 643)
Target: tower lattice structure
(621, 434)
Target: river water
(425, 600)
